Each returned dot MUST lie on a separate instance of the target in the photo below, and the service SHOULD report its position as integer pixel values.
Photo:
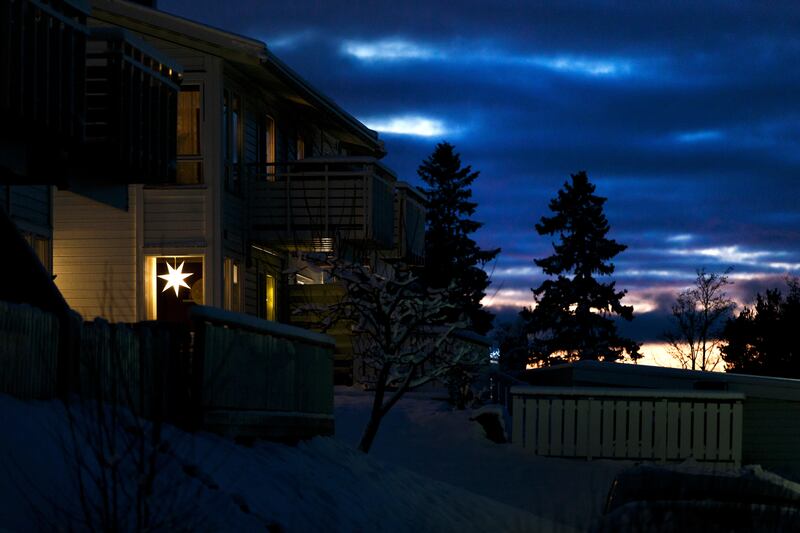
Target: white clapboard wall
(643, 424)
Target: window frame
(233, 139)
(196, 158)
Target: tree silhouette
(698, 314)
(763, 339)
(452, 257)
(572, 317)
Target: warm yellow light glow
(175, 278)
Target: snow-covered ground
(430, 469)
(208, 483)
(425, 435)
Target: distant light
(699, 136)
(390, 49)
(408, 125)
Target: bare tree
(698, 315)
(393, 338)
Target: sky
(686, 116)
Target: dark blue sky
(686, 115)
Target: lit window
(233, 286)
(267, 150)
(172, 285)
(190, 161)
(271, 294)
(41, 247)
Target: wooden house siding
(29, 207)
(175, 217)
(772, 433)
(94, 256)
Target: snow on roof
(630, 375)
(269, 327)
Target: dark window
(233, 140)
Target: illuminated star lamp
(175, 278)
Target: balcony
(317, 204)
(79, 104)
(409, 225)
(131, 109)
(42, 50)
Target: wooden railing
(230, 373)
(42, 50)
(131, 119)
(258, 378)
(317, 202)
(643, 424)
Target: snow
(423, 434)
(211, 483)
(430, 469)
(259, 324)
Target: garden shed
(770, 424)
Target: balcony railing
(131, 116)
(92, 104)
(409, 224)
(314, 203)
(42, 50)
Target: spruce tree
(572, 318)
(452, 258)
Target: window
(266, 154)
(190, 161)
(232, 140)
(173, 284)
(270, 302)
(301, 148)
(41, 247)
(233, 285)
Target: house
(270, 176)
(768, 420)
(74, 102)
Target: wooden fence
(28, 352)
(262, 379)
(144, 366)
(229, 372)
(643, 424)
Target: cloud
(737, 255)
(409, 125)
(388, 50)
(504, 298)
(586, 66)
(701, 136)
(478, 51)
(681, 237)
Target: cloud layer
(685, 115)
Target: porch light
(175, 278)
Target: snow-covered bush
(392, 335)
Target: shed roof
(595, 373)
